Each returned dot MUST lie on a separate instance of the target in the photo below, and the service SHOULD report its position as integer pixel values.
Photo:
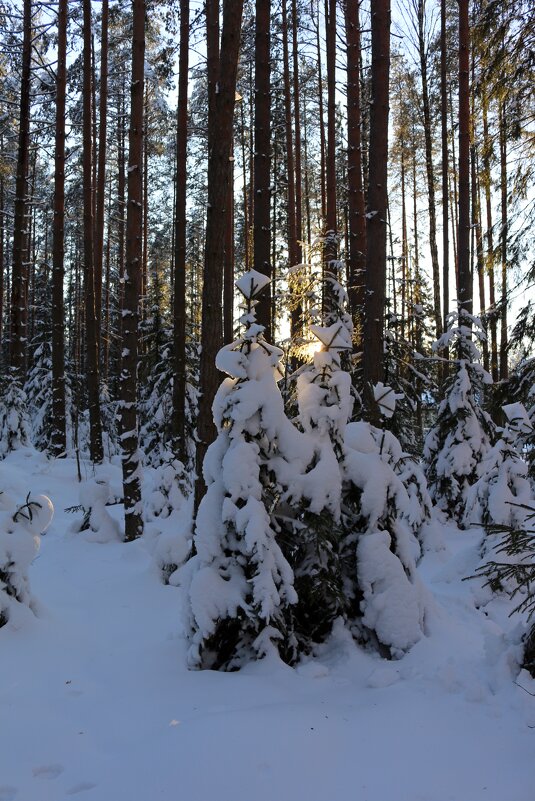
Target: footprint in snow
(47, 771)
(80, 788)
(7, 793)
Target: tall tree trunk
(445, 164)
(330, 246)
(262, 158)
(490, 242)
(220, 136)
(321, 120)
(101, 172)
(58, 442)
(93, 389)
(297, 132)
(355, 188)
(430, 172)
(179, 279)
(377, 202)
(19, 267)
(504, 368)
(127, 408)
(465, 275)
(295, 316)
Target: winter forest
(267, 400)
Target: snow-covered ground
(96, 701)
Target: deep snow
(95, 698)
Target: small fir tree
(463, 432)
(503, 490)
(241, 587)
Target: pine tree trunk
(445, 165)
(295, 316)
(58, 442)
(465, 275)
(430, 173)
(330, 247)
(127, 407)
(220, 137)
(179, 279)
(377, 204)
(19, 267)
(93, 388)
(355, 188)
(101, 171)
(262, 159)
(504, 367)
(490, 243)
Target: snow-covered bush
(386, 505)
(241, 587)
(463, 432)
(14, 422)
(325, 405)
(20, 528)
(168, 506)
(503, 490)
(94, 495)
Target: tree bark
(262, 159)
(504, 367)
(127, 408)
(220, 137)
(93, 388)
(377, 205)
(330, 247)
(465, 275)
(179, 279)
(430, 172)
(58, 441)
(355, 188)
(101, 171)
(19, 267)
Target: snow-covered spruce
(14, 421)
(386, 506)
(463, 432)
(325, 406)
(20, 527)
(168, 506)
(94, 495)
(241, 587)
(503, 491)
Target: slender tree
(93, 389)
(133, 258)
(355, 194)
(19, 267)
(58, 443)
(262, 158)
(465, 274)
(179, 276)
(376, 214)
(220, 123)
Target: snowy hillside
(96, 700)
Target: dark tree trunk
(19, 267)
(355, 185)
(93, 388)
(430, 172)
(58, 442)
(179, 279)
(262, 158)
(127, 408)
(330, 247)
(445, 163)
(504, 367)
(490, 243)
(465, 274)
(101, 172)
(295, 319)
(377, 202)
(220, 137)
